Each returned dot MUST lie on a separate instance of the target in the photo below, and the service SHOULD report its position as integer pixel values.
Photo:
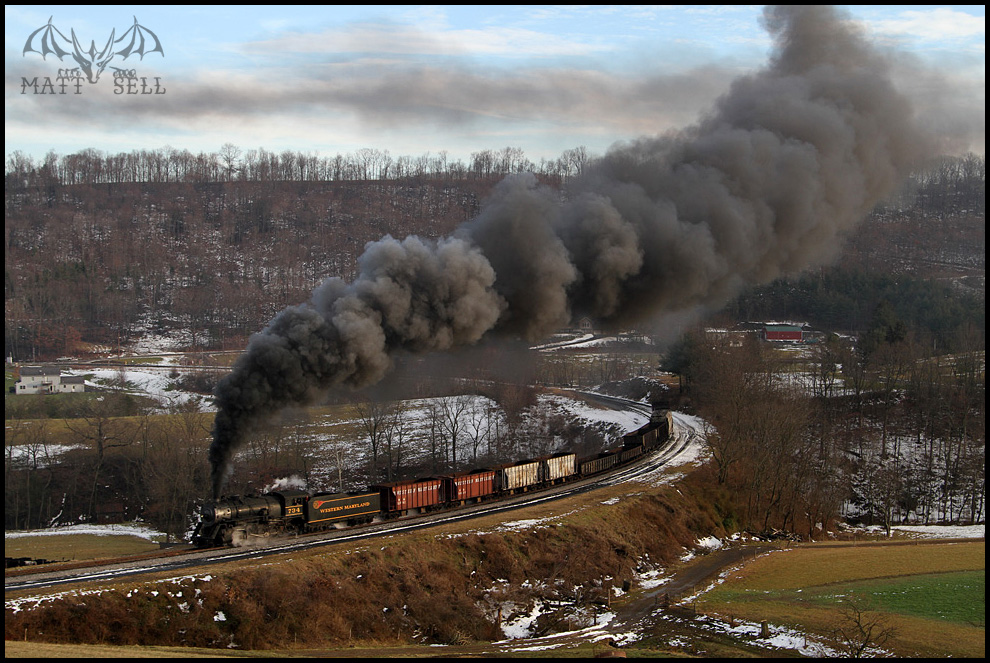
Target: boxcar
(324, 509)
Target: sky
(414, 80)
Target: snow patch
(133, 529)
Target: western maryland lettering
(341, 507)
(323, 507)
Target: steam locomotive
(237, 520)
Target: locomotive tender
(235, 520)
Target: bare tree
(436, 438)
(393, 434)
(454, 411)
(169, 467)
(825, 363)
(341, 452)
(301, 445)
(479, 426)
(378, 418)
(575, 160)
(861, 630)
(28, 454)
(103, 431)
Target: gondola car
(560, 467)
(519, 477)
(597, 464)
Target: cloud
(397, 39)
(382, 95)
(364, 83)
(933, 25)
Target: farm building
(784, 333)
(586, 325)
(48, 380)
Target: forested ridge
(100, 248)
(100, 263)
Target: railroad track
(185, 560)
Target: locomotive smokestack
(789, 159)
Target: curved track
(681, 447)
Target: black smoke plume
(766, 184)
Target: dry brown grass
(15, 649)
(810, 566)
(74, 547)
(417, 587)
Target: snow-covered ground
(589, 415)
(943, 531)
(123, 529)
(589, 341)
(155, 382)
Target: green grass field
(932, 595)
(957, 597)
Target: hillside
(93, 262)
(508, 588)
(936, 228)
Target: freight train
(236, 520)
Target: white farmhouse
(48, 380)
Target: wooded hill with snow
(103, 249)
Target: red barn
(788, 333)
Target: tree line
(232, 163)
(212, 245)
(846, 299)
(97, 264)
